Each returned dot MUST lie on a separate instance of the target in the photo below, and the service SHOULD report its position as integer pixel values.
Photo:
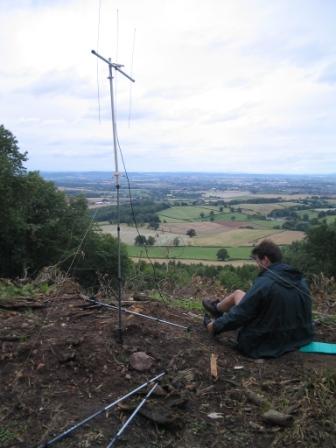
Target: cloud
(66, 83)
(240, 85)
(328, 75)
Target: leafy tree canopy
(40, 227)
(191, 232)
(317, 253)
(222, 254)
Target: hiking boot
(211, 306)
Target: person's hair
(269, 249)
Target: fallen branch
(20, 306)
(10, 338)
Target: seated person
(274, 315)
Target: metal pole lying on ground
(100, 411)
(116, 175)
(130, 418)
(138, 314)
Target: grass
(266, 208)
(6, 436)
(186, 213)
(187, 304)
(189, 252)
(9, 290)
(192, 213)
(330, 219)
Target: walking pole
(138, 314)
(130, 418)
(100, 411)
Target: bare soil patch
(62, 362)
(200, 227)
(286, 237)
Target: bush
(230, 280)
(191, 232)
(222, 254)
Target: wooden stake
(213, 366)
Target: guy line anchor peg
(117, 67)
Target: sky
(220, 85)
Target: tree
(317, 253)
(11, 160)
(153, 225)
(176, 241)
(11, 193)
(150, 241)
(154, 222)
(41, 227)
(140, 240)
(191, 232)
(222, 254)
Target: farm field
(235, 227)
(248, 237)
(188, 252)
(185, 213)
(210, 236)
(195, 261)
(192, 214)
(243, 195)
(265, 208)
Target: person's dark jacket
(275, 315)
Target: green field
(192, 214)
(188, 252)
(235, 231)
(186, 213)
(330, 219)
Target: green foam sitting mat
(319, 347)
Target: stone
(275, 417)
(140, 361)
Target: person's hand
(207, 322)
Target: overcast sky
(221, 85)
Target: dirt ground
(61, 362)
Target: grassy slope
(188, 252)
(210, 236)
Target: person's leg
(231, 300)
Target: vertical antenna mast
(112, 65)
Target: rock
(255, 398)
(140, 296)
(141, 361)
(275, 417)
(215, 415)
(159, 414)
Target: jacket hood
(284, 275)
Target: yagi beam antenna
(117, 67)
(112, 64)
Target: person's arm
(240, 314)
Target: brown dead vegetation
(61, 362)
